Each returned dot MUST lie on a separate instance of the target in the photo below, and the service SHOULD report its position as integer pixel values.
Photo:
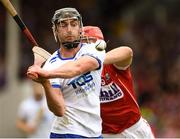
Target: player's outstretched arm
(68, 70)
(75, 68)
(121, 57)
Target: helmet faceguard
(66, 14)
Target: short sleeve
(49, 64)
(55, 83)
(90, 50)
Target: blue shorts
(54, 135)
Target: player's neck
(68, 53)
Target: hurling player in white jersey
(74, 96)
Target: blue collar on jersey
(59, 54)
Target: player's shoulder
(52, 58)
(85, 46)
(90, 47)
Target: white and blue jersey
(81, 95)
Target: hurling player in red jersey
(119, 109)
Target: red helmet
(93, 31)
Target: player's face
(68, 30)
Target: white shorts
(141, 129)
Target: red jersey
(119, 108)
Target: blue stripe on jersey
(99, 61)
(54, 135)
(53, 59)
(56, 86)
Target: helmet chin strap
(70, 45)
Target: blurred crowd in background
(150, 27)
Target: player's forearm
(55, 100)
(67, 70)
(74, 68)
(121, 56)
